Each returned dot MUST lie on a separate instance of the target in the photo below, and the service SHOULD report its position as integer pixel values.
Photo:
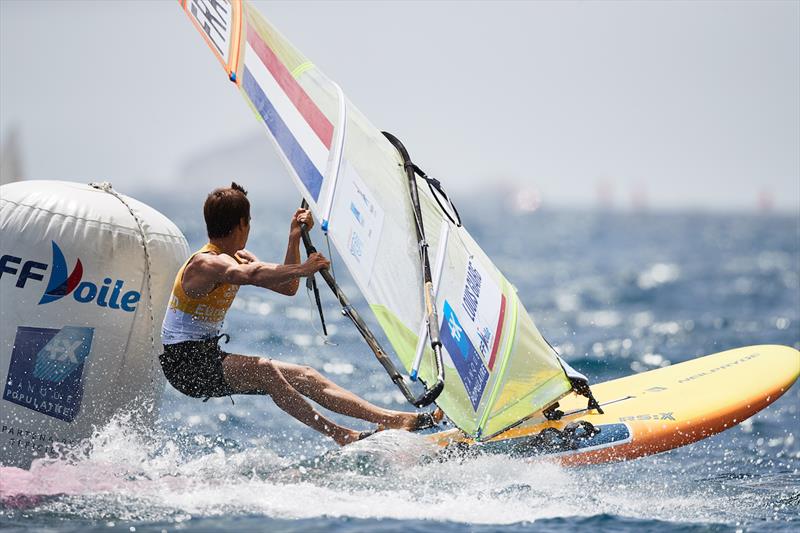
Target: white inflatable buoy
(85, 275)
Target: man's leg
(311, 383)
(244, 373)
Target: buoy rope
(107, 187)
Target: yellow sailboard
(655, 411)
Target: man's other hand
(245, 256)
(315, 263)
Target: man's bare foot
(419, 421)
(349, 436)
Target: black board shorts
(195, 368)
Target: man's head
(227, 213)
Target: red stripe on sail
(499, 330)
(307, 108)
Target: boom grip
(430, 394)
(312, 282)
(307, 244)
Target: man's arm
(301, 216)
(292, 257)
(289, 288)
(208, 269)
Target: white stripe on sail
(305, 136)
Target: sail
(499, 369)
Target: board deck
(659, 410)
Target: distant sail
(11, 159)
(499, 368)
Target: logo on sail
(484, 305)
(472, 291)
(468, 363)
(214, 18)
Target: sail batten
(335, 160)
(499, 368)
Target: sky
(675, 105)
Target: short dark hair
(224, 209)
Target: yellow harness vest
(195, 319)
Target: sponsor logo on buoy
(61, 284)
(46, 369)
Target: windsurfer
(204, 290)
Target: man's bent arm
(266, 275)
(302, 217)
(289, 288)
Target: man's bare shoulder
(208, 265)
(204, 272)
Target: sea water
(616, 293)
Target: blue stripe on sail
(298, 158)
